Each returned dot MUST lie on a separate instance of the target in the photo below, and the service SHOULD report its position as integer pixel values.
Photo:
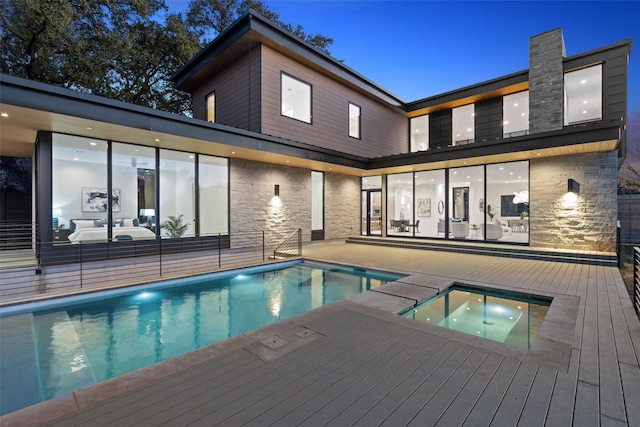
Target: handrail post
(220, 250)
(159, 239)
(81, 261)
(299, 241)
(263, 247)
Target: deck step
(607, 259)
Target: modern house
(284, 136)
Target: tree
(113, 48)
(208, 18)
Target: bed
(96, 230)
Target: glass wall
(583, 95)
(429, 205)
(213, 184)
(508, 196)
(80, 196)
(400, 205)
(515, 110)
(420, 133)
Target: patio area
(356, 362)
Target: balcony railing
(636, 280)
(51, 268)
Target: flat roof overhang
(34, 107)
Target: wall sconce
(276, 190)
(573, 186)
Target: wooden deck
(356, 363)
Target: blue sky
(417, 49)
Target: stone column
(546, 82)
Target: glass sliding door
(508, 196)
(466, 202)
(371, 206)
(429, 204)
(400, 204)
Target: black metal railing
(55, 267)
(636, 280)
(290, 247)
(16, 235)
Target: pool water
(50, 349)
(499, 316)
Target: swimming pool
(51, 348)
(503, 316)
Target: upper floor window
(296, 98)
(463, 125)
(515, 114)
(354, 121)
(420, 133)
(211, 107)
(583, 95)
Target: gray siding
(384, 129)
(237, 89)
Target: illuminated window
(420, 133)
(583, 95)
(515, 114)
(211, 107)
(463, 125)
(296, 99)
(354, 121)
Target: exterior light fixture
(276, 190)
(573, 186)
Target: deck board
(366, 367)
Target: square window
(296, 99)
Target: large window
(583, 95)
(79, 183)
(463, 128)
(466, 194)
(296, 99)
(420, 133)
(400, 211)
(134, 169)
(177, 190)
(515, 113)
(429, 204)
(354, 121)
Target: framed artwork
(96, 199)
(424, 207)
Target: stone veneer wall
(546, 81)
(590, 224)
(254, 207)
(341, 205)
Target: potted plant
(174, 226)
(524, 214)
(490, 212)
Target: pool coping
(551, 348)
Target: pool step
(608, 259)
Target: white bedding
(97, 234)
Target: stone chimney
(546, 82)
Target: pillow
(127, 222)
(83, 223)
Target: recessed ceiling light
(584, 112)
(582, 82)
(455, 173)
(75, 158)
(93, 143)
(515, 105)
(468, 129)
(538, 154)
(585, 102)
(156, 140)
(501, 168)
(510, 173)
(191, 157)
(233, 152)
(506, 122)
(468, 177)
(522, 114)
(287, 161)
(89, 128)
(4, 115)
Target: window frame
(298, 80)
(566, 104)
(208, 109)
(359, 123)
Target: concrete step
(578, 257)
